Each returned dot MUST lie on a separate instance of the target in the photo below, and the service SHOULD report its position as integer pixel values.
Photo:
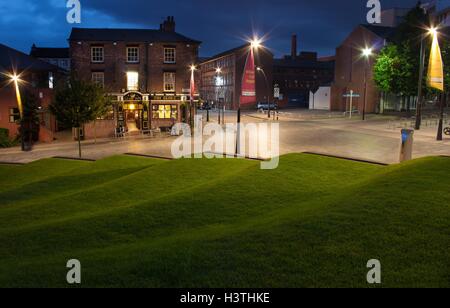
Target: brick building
(35, 76)
(147, 72)
(227, 85)
(56, 56)
(298, 74)
(351, 68)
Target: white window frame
(137, 54)
(14, 114)
(167, 82)
(95, 54)
(166, 55)
(95, 78)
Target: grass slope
(313, 222)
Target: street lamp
(218, 72)
(367, 53)
(261, 70)
(430, 32)
(16, 80)
(192, 92)
(255, 44)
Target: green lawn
(138, 222)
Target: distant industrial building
(298, 74)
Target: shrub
(5, 142)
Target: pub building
(147, 73)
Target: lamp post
(218, 72)
(16, 80)
(367, 53)
(255, 44)
(432, 31)
(192, 93)
(261, 70)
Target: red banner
(192, 85)
(248, 95)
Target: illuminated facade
(147, 72)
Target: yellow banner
(436, 66)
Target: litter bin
(407, 145)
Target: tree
(77, 102)
(397, 68)
(387, 69)
(29, 124)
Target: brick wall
(150, 67)
(350, 70)
(7, 101)
(235, 60)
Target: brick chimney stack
(168, 25)
(294, 47)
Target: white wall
(321, 100)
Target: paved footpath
(374, 140)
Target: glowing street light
(256, 43)
(192, 68)
(366, 53)
(432, 31)
(16, 80)
(219, 83)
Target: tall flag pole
(435, 78)
(192, 93)
(248, 92)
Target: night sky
(320, 24)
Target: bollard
(407, 145)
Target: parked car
(206, 106)
(265, 106)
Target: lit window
(165, 111)
(50, 80)
(97, 55)
(169, 55)
(169, 82)
(14, 115)
(132, 54)
(133, 81)
(98, 78)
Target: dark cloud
(320, 24)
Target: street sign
(351, 95)
(276, 92)
(354, 95)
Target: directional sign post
(351, 95)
